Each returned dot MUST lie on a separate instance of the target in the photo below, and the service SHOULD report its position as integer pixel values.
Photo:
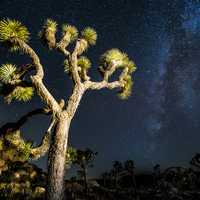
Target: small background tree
(84, 160)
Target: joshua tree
(84, 159)
(117, 169)
(129, 166)
(21, 82)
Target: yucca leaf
(131, 66)
(7, 72)
(113, 55)
(22, 93)
(47, 34)
(71, 30)
(51, 24)
(90, 35)
(10, 29)
(129, 63)
(84, 62)
(127, 88)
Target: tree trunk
(85, 182)
(57, 153)
(134, 185)
(56, 161)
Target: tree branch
(37, 78)
(109, 71)
(31, 53)
(74, 100)
(17, 125)
(41, 150)
(102, 84)
(61, 46)
(74, 66)
(44, 146)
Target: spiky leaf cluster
(10, 87)
(90, 35)
(84, 63)
(71, 30)
(113, 56)
(50, 24)
(48, 33)
(13, 148)
(131, 65)
(22, 93)
(118, 59)
(19, 93)
(10, 29)
(127, 87)
(7, 73)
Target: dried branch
(43, 148)
(17, 125)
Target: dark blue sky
(159, 123)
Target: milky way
(174, 90)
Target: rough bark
(57, 153)
(56, 158)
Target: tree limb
(41, 150)
(17, 125)
(31, 53)
(61, 46)
(102, 84)
(37, 78)
(74, 66)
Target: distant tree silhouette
(129, 166)
(84, 159)
(117, 169)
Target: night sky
(160, 122)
